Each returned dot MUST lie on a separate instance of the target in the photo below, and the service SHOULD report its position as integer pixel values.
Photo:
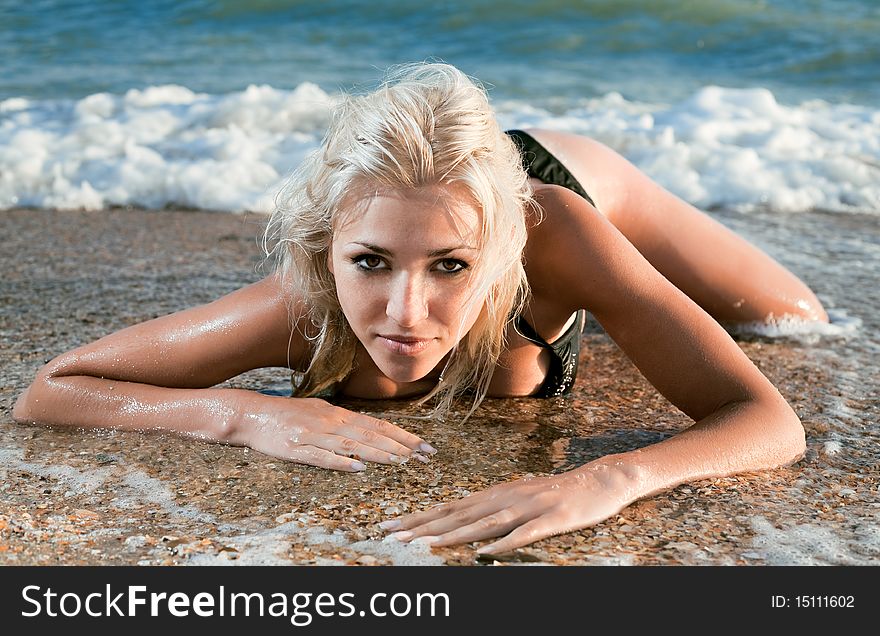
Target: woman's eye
(368, 261)
(451, 266)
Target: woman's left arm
(742, 423)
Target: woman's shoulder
(267, 316)
(569, 245)
(559, 211)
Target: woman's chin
(405, 372)
(405, 377)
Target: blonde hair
(426, 124)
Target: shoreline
(106, 497)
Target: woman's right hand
(314, 432)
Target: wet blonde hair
(427, 124)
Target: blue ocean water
(647, 50)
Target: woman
(418, 258)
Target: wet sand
(112, 498)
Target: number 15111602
(805, 601)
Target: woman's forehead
(446, 209)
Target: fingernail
(486, 549)
(421, 458)
(403, 535)
(427, 540)
(358, 466)
(425, 446)
(397, 459)
(390, 524)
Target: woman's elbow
(27, 407)
(790, 439)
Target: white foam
(840, 325)
(79, 481)
(623, 559)
(130, 486)
(737, 148)
(832, 447)
(152, 490)
(167, 145)
(815, 545)
(270, 547)
(264, 547)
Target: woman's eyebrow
(433, 254)
(372, 248)
(447, 250)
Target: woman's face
(403, 268)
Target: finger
(486, 527)
(417, 519)
(348, 447)
(374, 439)
(392, 431)
(322, 458)
(492, 497)
(404, 523)
(449, 517)
(535, 530)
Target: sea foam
(737, 148)
(169, 146)
(163, 146)
(839, 325)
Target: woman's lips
(404, 345)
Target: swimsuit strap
(538, 162)
(564, 354)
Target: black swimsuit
(540, 164)
(564, 354)
(565, 350)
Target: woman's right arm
(161, 374)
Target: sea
(763, 113)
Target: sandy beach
(110, 498)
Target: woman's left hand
(525, 510)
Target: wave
(169, 146)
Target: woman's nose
(407, 301)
